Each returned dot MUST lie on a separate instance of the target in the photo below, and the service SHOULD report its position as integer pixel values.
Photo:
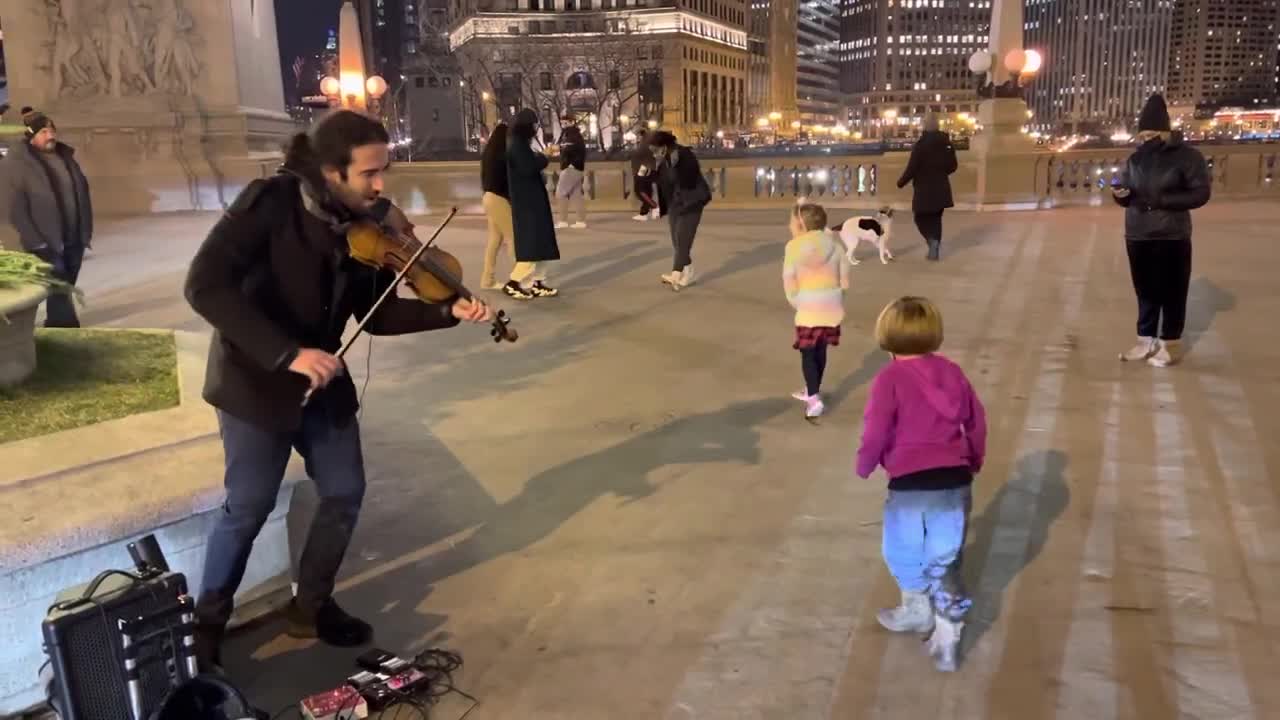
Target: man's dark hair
(662, 138)
(331, 141)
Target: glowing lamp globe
(980, 62)
(330, 86)
(376, 86)
(1014, 60)
(1033, 63)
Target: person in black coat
(683, 193)
(933, 159)
(496, 202)
(1162, 181)
(533, 225)
(571, 188)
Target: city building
(1102, 60)
(391, 36)
(612, 66)
(1224, 53)
(902, 59)
(817, 52)
(430, 110)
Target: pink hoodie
(922, 414)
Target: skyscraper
(817, 61)
(901, 59)
(1224, 53)
(1102, 60)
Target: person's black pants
(683, 229)
(930, 225)
(1161, 271)
(255, 465)
(644, 190)
(60, 308)
(813, 361)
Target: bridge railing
(1044, 180)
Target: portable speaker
(83, 639)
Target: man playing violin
(275, 280)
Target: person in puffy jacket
(933, 160)
(1162, 181)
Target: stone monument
(170, 104)
(1000, 147)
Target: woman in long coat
(933, 159)
(535, 232)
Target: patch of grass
(90, 376)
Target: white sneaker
(1166, 354)
(943, 643)
(643, 217)
(672, 278)
(813, 406)
(687, 276)
(801, 394)
(562, 225)
(579, 225)
(655, 214)
(1146, 347)
(913, 615)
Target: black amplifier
(121, 628)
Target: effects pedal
(378, 660)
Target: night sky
(302, 26)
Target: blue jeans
(923, 538)
(256, 460)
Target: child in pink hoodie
(927, 427)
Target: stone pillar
(1005, 157)
(169, 104)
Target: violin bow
(413, 259)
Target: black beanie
(35, 121)
(1155, 115)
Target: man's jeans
(60, 308)
(255, 464)
(923, 538)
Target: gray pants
(683, 229)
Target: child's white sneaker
(813, 406)
(642, 217)
(687, 276)
(914, 614)
(944, 643)
(562, 225)
(579, 225)
(1146, 347)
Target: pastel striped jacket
(815, 276)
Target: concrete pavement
(625, 516)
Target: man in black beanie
(49, 207)
(1162, 182)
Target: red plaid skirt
(808, 337)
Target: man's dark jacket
(1166, 180)
(272, 278)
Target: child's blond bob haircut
(812, 217)
(909, 326)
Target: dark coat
(1166, 180)
(272, 278)
(535, 230)
(493, 169)
(682, 189)
(35, 202)
(933, 159)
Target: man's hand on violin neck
(317, 366)
(474, 311)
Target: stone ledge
(17, 332)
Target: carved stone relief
(119, 48)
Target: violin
(433, 274)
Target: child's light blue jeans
(923, 537)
